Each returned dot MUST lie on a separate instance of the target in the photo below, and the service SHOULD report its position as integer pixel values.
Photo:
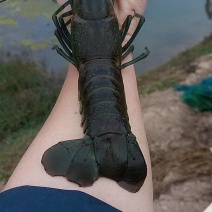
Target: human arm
(64, 124)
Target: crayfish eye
(93, 9)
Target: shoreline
(174, 71)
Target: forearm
(64, 123)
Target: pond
(171, 27)
(26, 30)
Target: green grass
(12, 149)
(27, 96)
(203, 48)
(175, 70)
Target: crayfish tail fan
(136, 170)
(74, 160)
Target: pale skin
(64, 124)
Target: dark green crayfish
(109, 148)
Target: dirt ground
(179, 140)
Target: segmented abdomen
(103, 104)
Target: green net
(198, 96)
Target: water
(170, 28)
(26, 30)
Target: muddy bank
(179, 139)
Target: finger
(61, 2)
(125, 8)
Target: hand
(123, 8)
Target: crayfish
(109, 148)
